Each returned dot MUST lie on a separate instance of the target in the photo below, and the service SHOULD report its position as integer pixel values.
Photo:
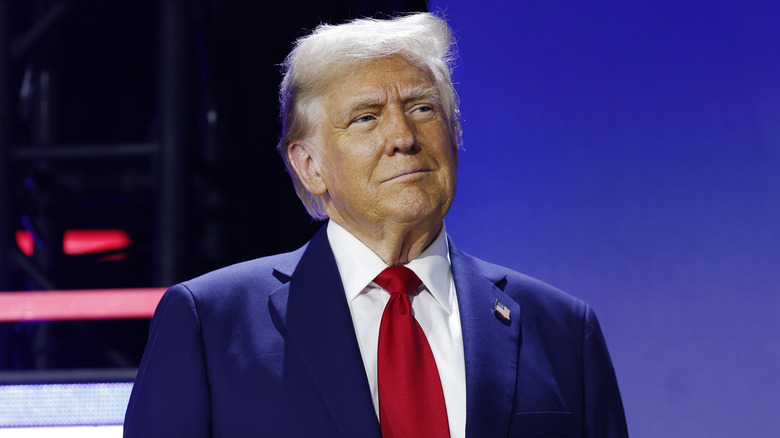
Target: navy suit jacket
(267, 348)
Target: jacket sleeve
(170, 397)
(604, 416)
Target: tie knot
(398, 279)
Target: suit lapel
(315, 313)
(490, 346)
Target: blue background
(629, 153)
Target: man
(380, 325)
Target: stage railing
(33, 403)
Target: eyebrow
(421, 92)
(408, 94)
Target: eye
(364, 118)
(424, 110)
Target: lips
(408, 172)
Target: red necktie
(411, 401)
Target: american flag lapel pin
(501, 311)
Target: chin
(417, 205)
(418, 215)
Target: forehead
(380, 79)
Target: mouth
(407, 173)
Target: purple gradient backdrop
(630, 155)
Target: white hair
(423, 39)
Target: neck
(395, 244)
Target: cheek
(351, 171)
(359, 158)
(443, 150)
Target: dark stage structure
(151, 125)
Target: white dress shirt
(435, 308)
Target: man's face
(386, 154)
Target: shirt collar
(358, 265)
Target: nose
(400, 133)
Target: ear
(303, 159)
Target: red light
(69, 305)
(25, 242)
(79, 242)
